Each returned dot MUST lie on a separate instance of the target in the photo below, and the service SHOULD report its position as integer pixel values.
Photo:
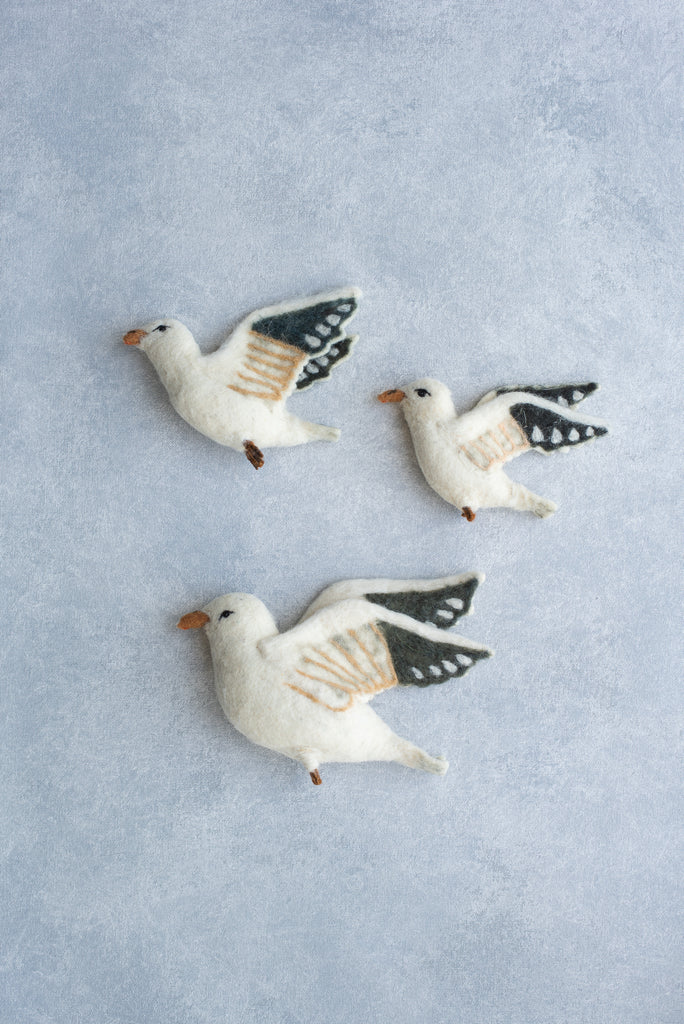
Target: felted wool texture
(236, 395)
(305, 693)
(462, 457)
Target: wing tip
(307, 378)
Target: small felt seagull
(236, 395)
(305, 693)
(462, 457)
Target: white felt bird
(462, 457)
(305, 692)
(236, 395)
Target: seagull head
(232, 620)
(159, 336)
(425, 399)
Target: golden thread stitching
(325, 668)
(258, 372)
(289, 359)
(253, 394)
(316, 700)
(345, 671)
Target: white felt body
(265, 695)
(229, 418)
(448, 446)
(238, 393)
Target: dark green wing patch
(313, 329)
(548, 430)
(563, 394)
(320, 367)
(421, 662)
(442, 607)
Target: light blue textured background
(504, 181)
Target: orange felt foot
(253, 454)
(316, 778)
(467, 513)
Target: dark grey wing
(568, 395)
(314, 326)
(319, 368)
(419, 661)
(442, 606)
(549, 430)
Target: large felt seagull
(305, 692)
(462, 457)
(236, 395)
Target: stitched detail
(258, 371)
(266, 362)
(272, 397)
(258, 382)
(289, 352)
(496, 445)
(261, 382)
(367, 666)
(474, 455)
(344, 683)
(316, 699)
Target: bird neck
(239, 673)
(425, 427)
(174, 362)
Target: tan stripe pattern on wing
(497, 445)
(267, 369)
(357, 663)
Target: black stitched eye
(421, 392)
(162, 327)
(224, 615)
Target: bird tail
(435, 765)
(409, 754)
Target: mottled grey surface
(504, 181)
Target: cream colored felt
(237, 394)
(305, 692)
(462, 457)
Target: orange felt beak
(193, 620)
(395, 395)
(133, 337)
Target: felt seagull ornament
(305, 692)
(462, 457)
(237, 394)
